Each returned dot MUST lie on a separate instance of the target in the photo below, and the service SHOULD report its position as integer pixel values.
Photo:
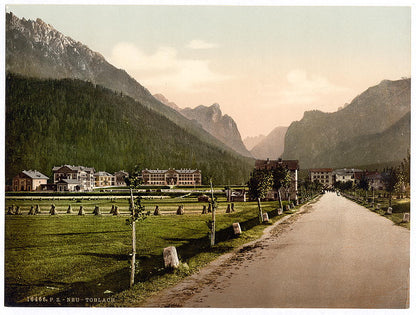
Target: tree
(134, 180)
(390, 180)
(281, 178)
(260, 182)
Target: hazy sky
(264, 65)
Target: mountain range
(35, 49)
(374, 127)
(271, 146)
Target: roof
(270, 164)
(35, 174)
(344, 171)
(181, 171)
(320, 170)
(75, 168)
(101, 173)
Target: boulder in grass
(81, 210)
(180, 210)
(228, 209)
(279, 211)
(32, 211)
(236, 228)
(389, 210)
(156, 212)
(96, 210)
(69, 211)
(53, 210)
(170, 257)
(204, 209)
(265, 217)
(406, 217)
(116, 212)
(37, 209)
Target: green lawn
(85, 256)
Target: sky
(264, 65)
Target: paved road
(336, 254)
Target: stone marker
(53, 210)
(170, 257)
(81, 211)
(31, 211)
(96, 210)
(180, 210)
(406, 217)
(156, 212)
(228, 209)
(389, 210)
(232, 207)
(69, 211)
(37, 209)
(265, 217)
(279, 211)
(115, 212)
(204, 209)
(237, 228)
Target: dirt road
(336, 254)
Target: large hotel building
(172, 177)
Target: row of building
(328, 177)
(81, 178)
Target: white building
(323, 175)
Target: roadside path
(336, 254)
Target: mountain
(223, 127)
(164, 100)
(271, 146)
(322, 139)
(54, 122)
(251, 142)
(36, 49)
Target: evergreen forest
(56, 122)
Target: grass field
(70, 256)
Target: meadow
(67, 257)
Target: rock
(170, 257)
(156, 212)
(378, 206)
(204, 209)
(81, 211)
(389, 210)
(279, 211)
(237, 228)
(232, 207)
(69, 211)
(10, 211)
(18, 211)
(37, 210)
(116, 212)
(112, 209)
(265, 217)
(209, 208)
(406, 217)
(53, 210)
(228, 209)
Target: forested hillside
(54, 122)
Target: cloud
(303, 88)
(200, 44)
(164, 68)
